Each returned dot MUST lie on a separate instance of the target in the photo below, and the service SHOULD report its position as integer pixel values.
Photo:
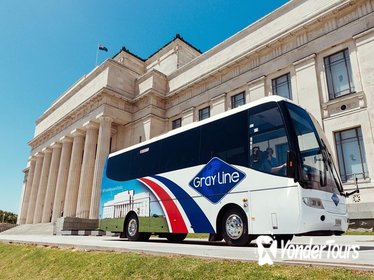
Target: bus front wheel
(235, 228)
(132, 229)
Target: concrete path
(299, 253)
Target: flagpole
(97, 54)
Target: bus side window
(268, 143)
(146, 160)
(226, 139)
(120, 167)
(181, 151)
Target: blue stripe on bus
(198, 219)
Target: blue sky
(48, 45)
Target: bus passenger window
(268, 143)
(226, 139)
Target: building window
(282, 86)
(204, 113)
(238, 100)
(339, 74)
(176, 123)
(351, 154)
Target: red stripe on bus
(175, 218)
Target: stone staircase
(4, 226)
(33, 229)
(63, 226)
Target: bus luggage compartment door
(275, 210)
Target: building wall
(125, 202)
(131, 100)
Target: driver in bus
(270, 164)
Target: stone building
(127, 201)
(319, 53)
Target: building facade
(319, 53)
(127, 201)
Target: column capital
(218, 97)
(66, 139)
(47, 150)
(38, 155)
(259, 80)
(307, 59)
(189, 110)
(56, 145)
(104, 118)
(78, 132)
(32, 158)
(90, 125)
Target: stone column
(27, 192)
(102, 152)
(218, 104)
(62, 177)
(85, 185)
(256, 89)
(34, 188)
(188, 116)
(42, 185)
(71, 195)
(307, 86)
(51, 186)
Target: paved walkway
(202, 248)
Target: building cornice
(355, 13)
(149, 74)
(90, 105)
(83, 81)
(254, 50)
(358, 37)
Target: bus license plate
(338, 222)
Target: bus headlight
(313, 202)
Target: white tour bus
(261, 169)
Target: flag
(103, 48)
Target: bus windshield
(317, 167)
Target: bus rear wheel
(132, 229)
(176, 237)
(235, 228)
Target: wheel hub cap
(132, 228)
(234, 226)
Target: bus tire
(235, 227)
(176, 237)
(132, 229)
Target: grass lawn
(31, 262)
(359, 233)
(198, 235)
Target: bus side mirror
(291, 164)
(357, 190)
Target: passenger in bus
(256, 158)
(271, 164)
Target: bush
(8, 217)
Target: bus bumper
(321, 222)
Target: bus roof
(273, 98)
